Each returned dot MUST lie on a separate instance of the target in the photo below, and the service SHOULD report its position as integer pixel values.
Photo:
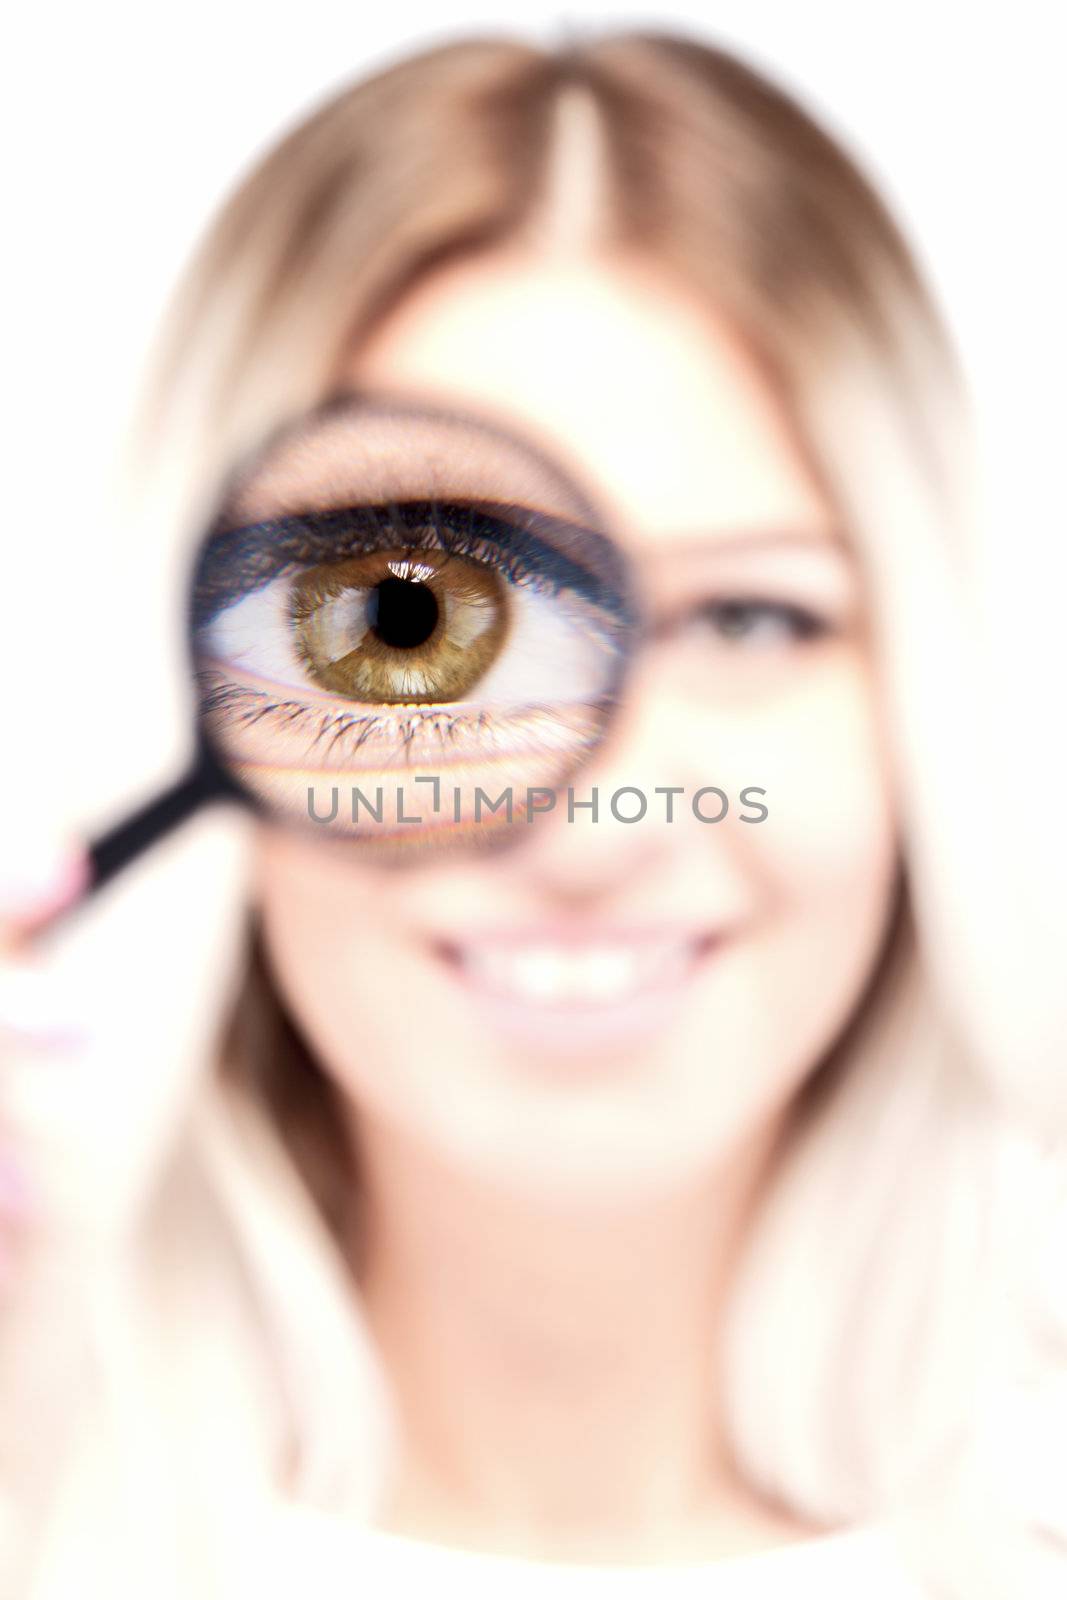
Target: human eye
(373, 637)
(753, 622)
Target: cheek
(818, 750)
(337, 954)
(836, 833)
(824, 862)
(820, 873)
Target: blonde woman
(630, 1208)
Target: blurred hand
(35, 1018)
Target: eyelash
(237, 561)
(448, 727)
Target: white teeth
(593, 975)
(605, 974)
(538, 974)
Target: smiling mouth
(575, 992)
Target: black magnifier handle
(110, 852)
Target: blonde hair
(863, 1323)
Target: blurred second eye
(764, 623)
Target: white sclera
(553, 654)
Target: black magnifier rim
(612, 564)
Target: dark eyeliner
(236, 561)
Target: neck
(556, 1369)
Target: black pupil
(403, 614)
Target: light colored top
(310, 1552)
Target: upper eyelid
(262, 551)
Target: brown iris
(397, 626)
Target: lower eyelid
(226, 673)
(245, 704)
(436, 731)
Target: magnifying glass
(407, 628)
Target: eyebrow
(763, 535)
(739, 539)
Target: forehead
(643, 392)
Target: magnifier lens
(406, 627)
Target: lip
(576, 992)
